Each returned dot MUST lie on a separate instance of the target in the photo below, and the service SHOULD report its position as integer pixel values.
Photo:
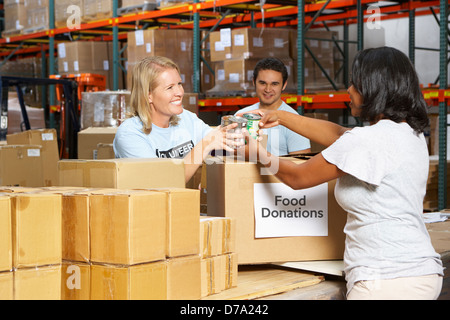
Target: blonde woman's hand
(225, 138)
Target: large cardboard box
(5, 234)
(231, 193)
(21, 165)
(7, 285)
(75, 280)
(36, 229)
(122, 173)
(128, 227)
(89, 138)
(146, 281)
(48, 140)
(41, 283)
(184, 278)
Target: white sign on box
(281, 211)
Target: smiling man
(270, 79)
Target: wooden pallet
(265, 280)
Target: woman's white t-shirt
(387, 165)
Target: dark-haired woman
(382, 171)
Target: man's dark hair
(389, 86)
(274, 64)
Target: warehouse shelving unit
(213, 14)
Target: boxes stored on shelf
(5, 234)
(175, 44)
(75, 281)
(126, 173)
(98, 9)
(36, 229)
(88, 57)
(247, 43)
(41, 283)
(146, 281)
(7, 285)
(82, 56)
(184, 278)
(15, 18)
(260, 43)
(231, 193)
(237, 75)
(128, 227)
(104, 108)
(89, 138)
(68, 13)
(48, 140)
(21, 165)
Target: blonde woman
(160, 127)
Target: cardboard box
(48, 140)
(5, 234)
(89, 138)
(183, 210)
(217, 235)
(175, 44)
(128, 227)
(105, 151)
(231, 192)
(213, 275)
(260, 43)
(190, 102)
(184, 278)
(15, 17)
(122, 173)
(41, 283)
(237, 75)
(75, 226)
(138, 282)
(75, 281)
(62, 17)
(6, 285)
(21, 165)
(220, 45)
(36, 229)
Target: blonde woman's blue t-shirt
(176, 141)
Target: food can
(242, 123)
(252, 124)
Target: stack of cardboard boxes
(32, 245)
(82, 243)
(217, 250)
(88, 57)
(235, 53)
(30, 159)
(175, 44)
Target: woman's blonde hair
(143, 81)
